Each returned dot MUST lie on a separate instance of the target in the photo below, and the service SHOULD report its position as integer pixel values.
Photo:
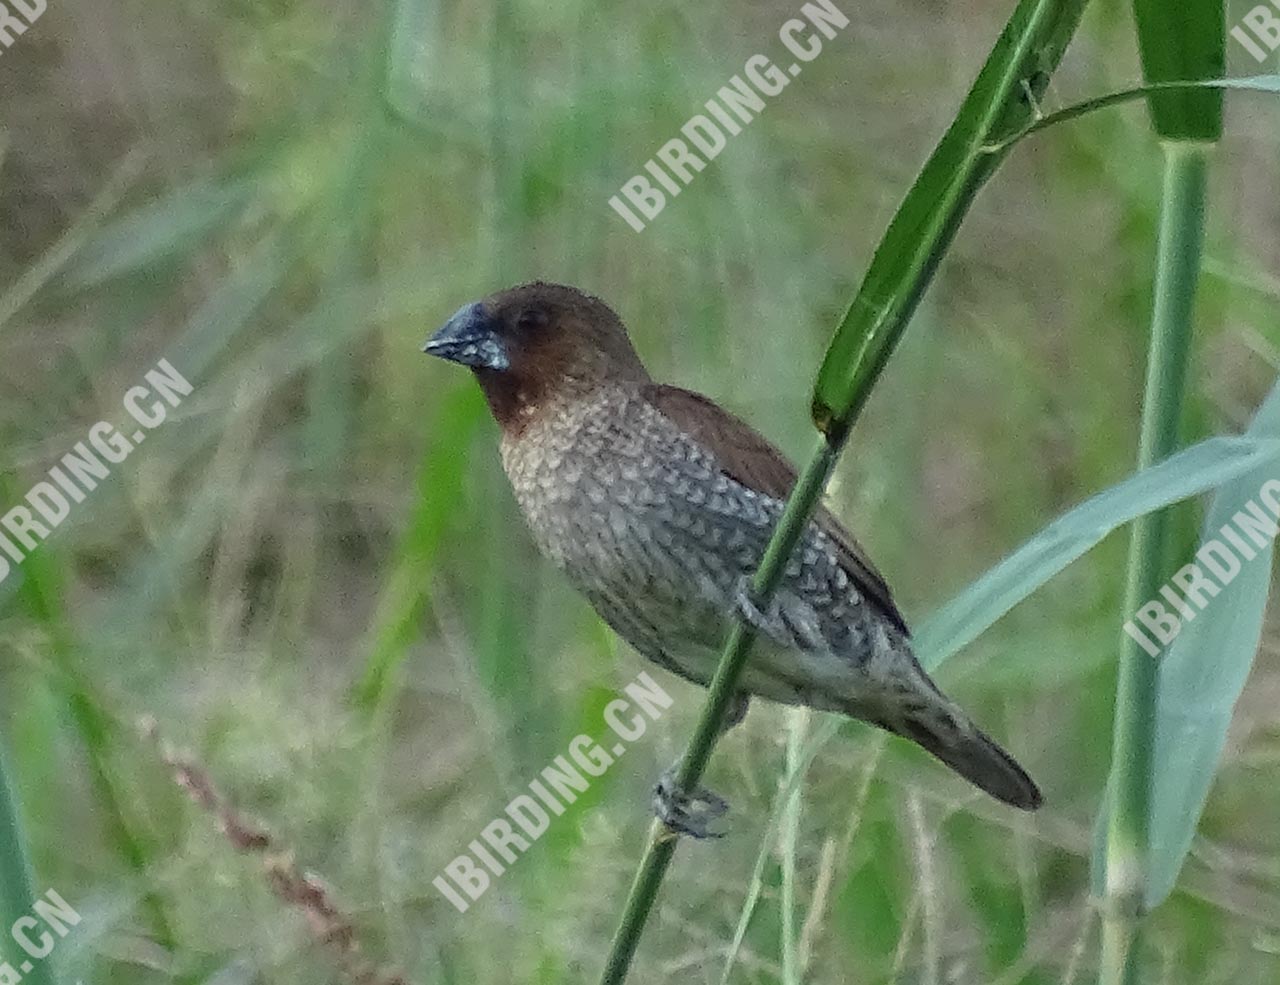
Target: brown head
(535, 345)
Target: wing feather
(747, 457)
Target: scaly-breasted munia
(657, 504)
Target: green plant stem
(1003, 97)
(1178, 267)
(662, 842)
(792, 972)
(16, 892)
(1014, 75)
(1267, 84)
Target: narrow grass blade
(1202, 675)
(792, 971)
(1002, 99)
(177, 223)
(1194, 470)
(404, 596)
(1253, 83)
(1183, 42)
(1269, 84)
(215, 325)
(797, 769)
(123, 175)
(16, 892)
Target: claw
(687, 813)
(745, 600)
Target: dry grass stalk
(301, 890)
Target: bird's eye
(531, 319)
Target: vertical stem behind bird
(1178, 267)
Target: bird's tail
(946, 733)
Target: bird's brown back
(748, 457)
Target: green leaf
(1252, 83)
(1201, 467)
(1202, 675)
(1183, 42)
(1003, 99)
(1257, 83)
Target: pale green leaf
(1202, 675)
(1194, 470)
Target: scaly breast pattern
(643, 521)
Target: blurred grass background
(315, 577)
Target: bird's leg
(692, 813)
(687, 813)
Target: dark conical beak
(471, 339)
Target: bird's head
(535, 345)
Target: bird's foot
(744, 599)
(687, 813)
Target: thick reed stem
(1177, 271)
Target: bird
(657, 504)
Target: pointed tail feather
(961, 745)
